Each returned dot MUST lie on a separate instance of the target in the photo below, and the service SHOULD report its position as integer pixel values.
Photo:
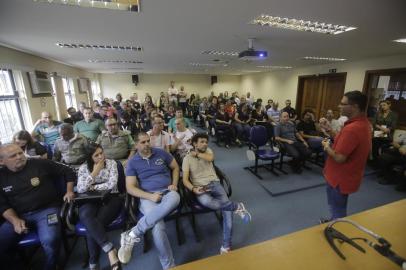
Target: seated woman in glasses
(99, 173)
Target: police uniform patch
(35, 181)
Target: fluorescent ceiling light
(116, 61)
(275, 67)
(301, 25)
(400, 40)
(125, 5)
(317, 58)
(99, 47)
(207, 65)
(214, 52)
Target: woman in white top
(99, 173)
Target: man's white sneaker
(243, 213)
(224, 250)
(127, 243)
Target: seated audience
(31, 148)
(102, 114)
(159, 138)
(273, 113)
(203, 110)
(127, 124)
(242, 122)
(224, 124)
(29, 202)
(99, 173)
(395, 155)
(178, 115)
(145, 118)
(117, 144)
(169, 114)
(267, 106)
(199, 176)
(259, 117)
(89, 126)
(156, 187)
(211, 114)
(79, 115)
(291, 111)
(384, 125)
(308, 130)
(71, 119)
(70, 148)
(46, 129)
(182, 139)
(291, 140)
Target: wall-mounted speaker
(213, 80)
(135, 79)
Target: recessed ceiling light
(275, 67)
(115, 61)
(99, 47)
(128, 5)
(400, 40)
(301, 25)
(222, 53)
(317, 58)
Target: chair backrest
(258, 136)
(121, 177)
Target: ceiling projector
(252, 54)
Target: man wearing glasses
(117, 144)
(345, 165)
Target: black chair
(195, 208)
(133, 204)
(257, 143)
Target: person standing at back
(345, 165)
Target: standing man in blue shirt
(152, 175)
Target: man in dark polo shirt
(347, 157)
(292, 141)
(29, 201)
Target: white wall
(17, 60)
(111, 84)
(281, 85)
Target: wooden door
(333, 91)
(320, 93)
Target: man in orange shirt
(345, 165)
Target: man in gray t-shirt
(292, 141)
(199, 176)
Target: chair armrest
(131, 206)
(224, 181)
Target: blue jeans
(337, 202)
(243, 130)
(95, 216)
(217, 199)
(315, 144)
(154, 214)
(49, 235)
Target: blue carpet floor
(271, 216)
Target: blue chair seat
(30, 239)
(267, 154)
